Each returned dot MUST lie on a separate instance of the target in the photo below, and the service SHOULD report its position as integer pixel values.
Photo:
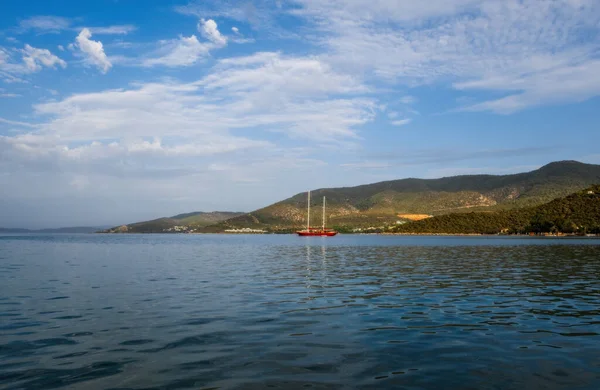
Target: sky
(116, 111)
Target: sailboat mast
(323, 213)
(308, 219)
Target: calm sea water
(253, 312)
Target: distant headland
(553, 199)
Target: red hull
(316, 233)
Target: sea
(184, 311)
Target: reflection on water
(170, 312)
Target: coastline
(380, 234)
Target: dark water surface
(253, 312)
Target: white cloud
(232, 109)
(4, 56)
(184, 51)
(239, 37)
(45, 24)
(56, 24)
(483, 44)
(561, 85)
(122, 29)
(401, 122)
(32, 60)
(7, 68)
(274, 73)
(17, 123)
(187, 51)
(9, 95)
(47, 146)
(267, 91)
(35, 59)
(61, 48)
(367, 11)
(208, 29)
(92, 50)
(259, 14)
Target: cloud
(401, 122)
(92, 50)
(113, 30)
(55, 24)
(239, 37)
(35, 59)
(187, 51)
(266, 91)
(518, 47)
(8, 69)
(32, 60)
(232, 109)
(17, 123)
(561, 85)
(368, 11)
(9, 95)
(184, 51)
(258, 14)
(208, 29)
(274, 72)
(61, 47)
(47, 146)
(45, 24)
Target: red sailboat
(319, 232)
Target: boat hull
(316, 233)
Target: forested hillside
(576, 213)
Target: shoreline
(381, 234)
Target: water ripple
(243, 312)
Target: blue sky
(123, 110)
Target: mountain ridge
(380, 203)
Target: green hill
(178, 223)
(576, 213)
(379, 204)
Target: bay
(280, 311)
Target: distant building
(245, 230)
